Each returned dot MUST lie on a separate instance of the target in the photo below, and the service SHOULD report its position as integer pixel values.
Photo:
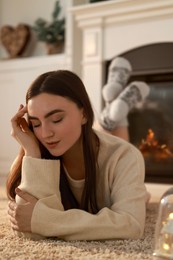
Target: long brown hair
(69, 85)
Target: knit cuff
(40, 177)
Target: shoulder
(108, 141)
(115, 148)
(119, 159)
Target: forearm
(77, 224)
(40, 178)
(124, 219)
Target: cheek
(37, 133)
(73, 129)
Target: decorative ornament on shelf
(164, 227)
(15, 40)
(53, 32)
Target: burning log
(151, 148)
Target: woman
(75, 183)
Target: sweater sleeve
(77, 224)
(123, 216)
(40, 178)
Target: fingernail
(17, 190)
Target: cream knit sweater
(121, 196)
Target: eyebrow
(47, 115)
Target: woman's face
(57, 122)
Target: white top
(120, 194)
(76, 186)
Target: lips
(52, 145)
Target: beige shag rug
(13, 248)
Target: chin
(55, 153)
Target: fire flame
(150, 139)
(150, 147)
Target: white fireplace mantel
(122, 11)
(109, 29)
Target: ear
(84, 119)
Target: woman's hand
(20, 215)
(22, 133)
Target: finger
(20, 107)
(24, 195)
(12, 209)
(21, 112)
(11, 213)
(19, 123)
(13, 221)
(16, 124)
(24, 125)
(12, 205)
(12, 218)
(14, 225)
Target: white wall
(13, 12)
(25, 11)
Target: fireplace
(154, 65)
(142, 32)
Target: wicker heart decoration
(15, 40)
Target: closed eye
(35, 123)
(35, 126)
(57, 121)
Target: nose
(46, 131)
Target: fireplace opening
(151, 124)
(155, 114)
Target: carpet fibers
(15, 248)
